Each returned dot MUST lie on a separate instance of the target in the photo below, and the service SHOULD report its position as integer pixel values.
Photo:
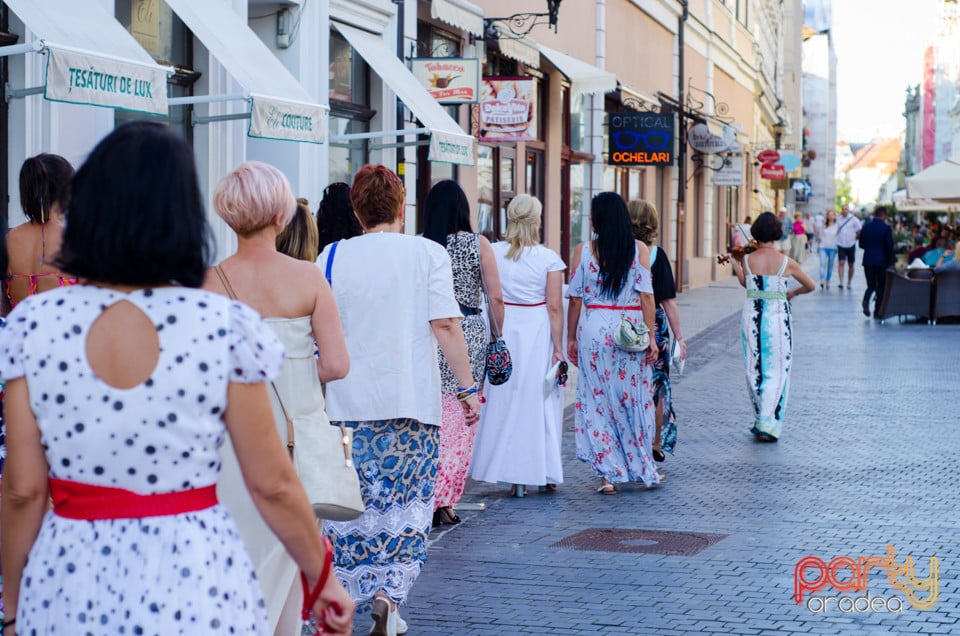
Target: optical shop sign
(285, 120)
(80, 78)
(640, 139)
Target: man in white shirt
(848, 230)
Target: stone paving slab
(870, 456)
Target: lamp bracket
(520, 24)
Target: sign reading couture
(82, 78)
(272, 118)
(450, 80)
(508, 107)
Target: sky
(879, 46)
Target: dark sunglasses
(562, 373)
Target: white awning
(940, 182)
(765, 201)
(448, 142)
(93, 59)
(641, 99)
(460, 13)
(584, 78)
(520, 50)
(281, 107)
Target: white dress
(179, 574)
(519, 434)
(300, 390)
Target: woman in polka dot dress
(119, 393)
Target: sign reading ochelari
(80, 78)
(292, 121)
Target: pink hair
(252, 195)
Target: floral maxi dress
(614, 420)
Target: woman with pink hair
(255, 200)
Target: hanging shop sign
(702, 139)
(272, 118)
(640, 139)
(508, 107)
(81, 78)
(731, 173)
(772, 172)
(768, 156)
(451, 80)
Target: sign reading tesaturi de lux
(81, 78)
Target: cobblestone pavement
(868, 457)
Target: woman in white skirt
(518, 441)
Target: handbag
(498, 366)
(321, 456)
(630, 336)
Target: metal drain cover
(643, 541)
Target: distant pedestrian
(614, 416)
(766, 328)
(809, 227)
(798, 239)
(521, 425)
(828, 248)
(786, 226)
(876, 240)
(447, 222)
(848, 230)
(335, 218)
(644, 219)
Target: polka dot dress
(180, 574)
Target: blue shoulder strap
(333, 250)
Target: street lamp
(779, 127)
(520, 24)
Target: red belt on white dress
(76, 500)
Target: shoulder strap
(847, 220)
(746, 264)
(233, 295)
(494, 332)
(333, 250)
(783, 266)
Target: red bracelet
(310, 598)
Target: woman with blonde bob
(299, 238)
(646, 225)
(518, 441)
(255, 200)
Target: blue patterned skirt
(385, 547)
(661, 384)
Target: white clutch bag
(550, 380)
(678, 362)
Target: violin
(737, 252)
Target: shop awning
(940, 182)
(280, 107)
(585, 79)
(448, 142)
(92, 58)
(459, 13)
(520, 50)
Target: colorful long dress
(456, 438)
(663, 289)
(767, 347)
(614, 420)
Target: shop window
(166, 38)
(350, 113)
(496, 184)
(574, 210)
(579, 213)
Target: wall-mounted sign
(508, 107)
(82, 78)
(802, 190)
(640, 139)
(702, 140)
(731, 174)
(768, 156)
(272, 118)
(772, 171)
(451, 80)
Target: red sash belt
(540, 304)
(75, 500)
(617, 307)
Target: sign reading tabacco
(80, 78)
(292, 121)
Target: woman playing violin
(766, 327)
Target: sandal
(445, 516)
(658, 455)
(607, 489)
(548, 488)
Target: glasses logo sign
(641, 139)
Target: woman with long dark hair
(335, 218)
(614, 413)
(473, 262)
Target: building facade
(443, 89)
